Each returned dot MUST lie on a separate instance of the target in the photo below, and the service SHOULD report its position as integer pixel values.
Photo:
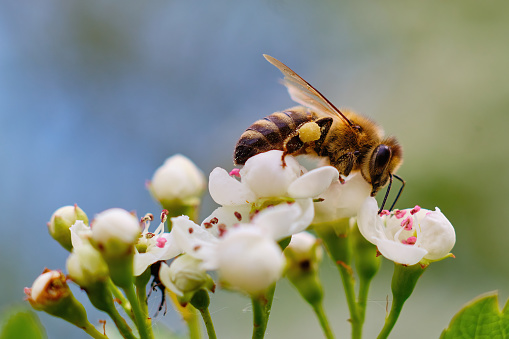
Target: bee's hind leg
(292, 145)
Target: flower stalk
(403, 283)
(336, 238)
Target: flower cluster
(263, 206)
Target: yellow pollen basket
(308, 132)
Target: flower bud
(303, 256)
(50, 293)
(114, 234)
(86, 266)
(178, 182)
(184, 277)
(304, 251)
(60, 222)
(249, 261)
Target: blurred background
(95, 95)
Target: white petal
(165, 276)
(227, 215)
(188, 236)
(265, 175)
(226, 190)
(283, 220)
(437, 235)
(400, 253)
(142, 261)
(342, 200)
(79, 232)
(313, 183)
(369, 223)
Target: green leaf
(480, 319)
(22, 324)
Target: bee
(343, 139)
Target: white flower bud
(179, 181)
(248, 260)
(184, 276)
(86, 266)
(60, 222)
(115, 232)
(304, 247)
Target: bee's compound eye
(382, 156)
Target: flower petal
(226, 190)
(265, 175)
(437, 235)
(313, 183)
(400, 253)
(369, 223)
(342, 200)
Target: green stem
(259, 322)
(340, 250)
(192, 323)
(121, 300)
(205, 314)
(141, 282)
(261, 311)
(140, 317)
(99, 294)
(403, 283)
(324, 322)
(367, 264)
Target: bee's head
(383, 160)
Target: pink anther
(235, 173)
(416, 209)
(409, 241)
(399, 214)
(408, 223)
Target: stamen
(385, 212)
(147, 217)
(399, 214)
(222, 229)
(416, 209)
(214, 221)
(409, 241)
(238, 216)
(408, 223)
(164, 215)
(160, 242)
(235, 173)
(191, 230)
(207, 224)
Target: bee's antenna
(389, 189)
(387, 194)
(400, 190)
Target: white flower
(342, 200)
(265, 182)
(178, 180)
(115, 231)
(156, 246)
(407, 236)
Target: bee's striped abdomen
(269, 133)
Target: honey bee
(343, 139)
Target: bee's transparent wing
(305, 94)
